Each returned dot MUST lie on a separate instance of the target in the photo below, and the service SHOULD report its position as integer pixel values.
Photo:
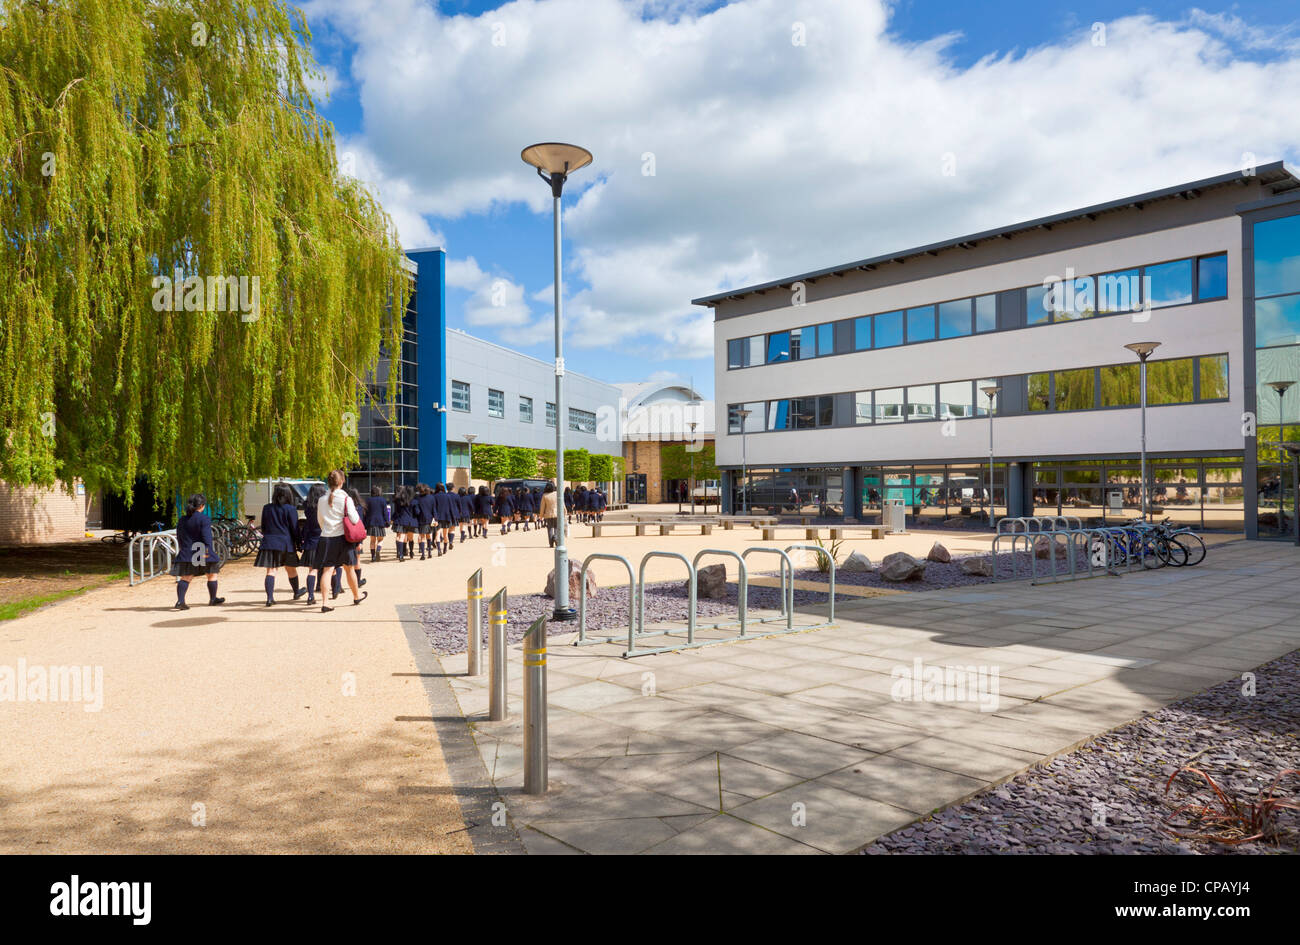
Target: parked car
(257, 492)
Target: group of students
(429, 517)
(587, 504)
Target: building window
(920, 402)
(986, 313)
(460, 396)
(1119, 291)
(1076, 390)
(458, 455)
(1214, 377)
(956, 400)
(582, 421)
(752, 423)
(496, 404)
(862, 333)
(920, 324)
(1212, 277)
(1169, 283)
(888, 330)
(525, 410)
(778, 347)
(955, 318)
(550, 415)
(889, 405)
(1040, 392)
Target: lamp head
(1281, 386)
(990, 391)
(1143, 349)
(556, 161)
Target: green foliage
(522, 462)
(600, 468)
(491, 462)
(546, 464)
(139, 139)
(675, 462)
(576, 465)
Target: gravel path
(445, 623)
(1242, 742)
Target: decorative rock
(900, 566)
(575, 575)
(1045, 548)
(939, 554)
(856, 562)
(977, 564)
(710, 582)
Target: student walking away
(454, 501)
(601, 501)
(444, 514)
(378, 517)
(340, 527)
(281, 539)
(537, 506)
(465, 512)
(405, 522)
(482, 511)
(311, 539)
(505, 508)
(196, 555)
(568, 505)
(523, 507)
(549, 510)
(363, 508)
(424, 518)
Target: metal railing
(150, 555)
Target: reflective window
(1038, 305)
(1040, 392)
(825, 410)
(735, 353)
(982, 399)
(1073, 299)
(862, 412)
(920, 402)
(1075, 390)
(986, 312)
(1277, 321)
(754, 354)
(550, 415)
(1119, 385)
(525, 410)
(920, 324)
(803, 411)
(889, 329)
(862, 333)
(1277, 256)
(778, 347)
(1169, 382)
(752, 422)
(825, 339)
(1119, 291)
(1214, 377)
(956, 400)
(496, 404)
(460, 396)
(778, 415)
(889, 405)
(955, 318)
(803, 344)
(1169, 283)
(1212, 277)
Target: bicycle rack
(690, 611)
(787, 584)
(742, 586)
(830, 617)
(582, 602)
(150, 555)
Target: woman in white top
(333, 550)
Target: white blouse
(329, 515)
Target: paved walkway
(800, 744)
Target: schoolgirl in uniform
(334, 551)
(195, 553)
(456, 518)
(281, 539)
(505, 508)
(424, 518)
(524, 505)
(465, 509)
(363, 507)
(378, 517)
(444, 514)
(568, 504)
(405, 522)
(482, 511)
(310, 539)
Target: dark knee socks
(212, 591)
(311, 588)
(270, 588)
(181, 588)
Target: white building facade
(863, 382)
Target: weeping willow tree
(189, 289)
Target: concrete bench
(643, 528)
(836, 532)
(730, 523)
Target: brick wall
(29, 515)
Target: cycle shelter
(693, 633)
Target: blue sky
(769, 157)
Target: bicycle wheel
(1173, 553)
(1194, 545)
(1150, 551)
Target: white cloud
(772, 158)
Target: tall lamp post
(554, 163)
(990, 391)
(470, 438)
(743, 414)
(693, 424)
(1143, 350)
(1281, 387)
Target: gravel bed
(445, 623)
(937, 575)
(1242, 742)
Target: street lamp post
(1281, 387)
(554, 163)
(1143, 350)
(990, 391)
(743, 414)
(470, 438)
(693, 424)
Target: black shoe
(311, 601)
(326, 610)
(357, 600)
(299, 592)
(269, 603)
(181, 605)
(361, 583)
(333, 593)
(215, 601)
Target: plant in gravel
(833, 549)
(1231, 820)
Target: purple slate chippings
(1243, 742)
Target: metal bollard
(535, 766)
(497, 657)
(474, 621)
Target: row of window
(1068, 298)
(580, 421)
(1172, 381)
